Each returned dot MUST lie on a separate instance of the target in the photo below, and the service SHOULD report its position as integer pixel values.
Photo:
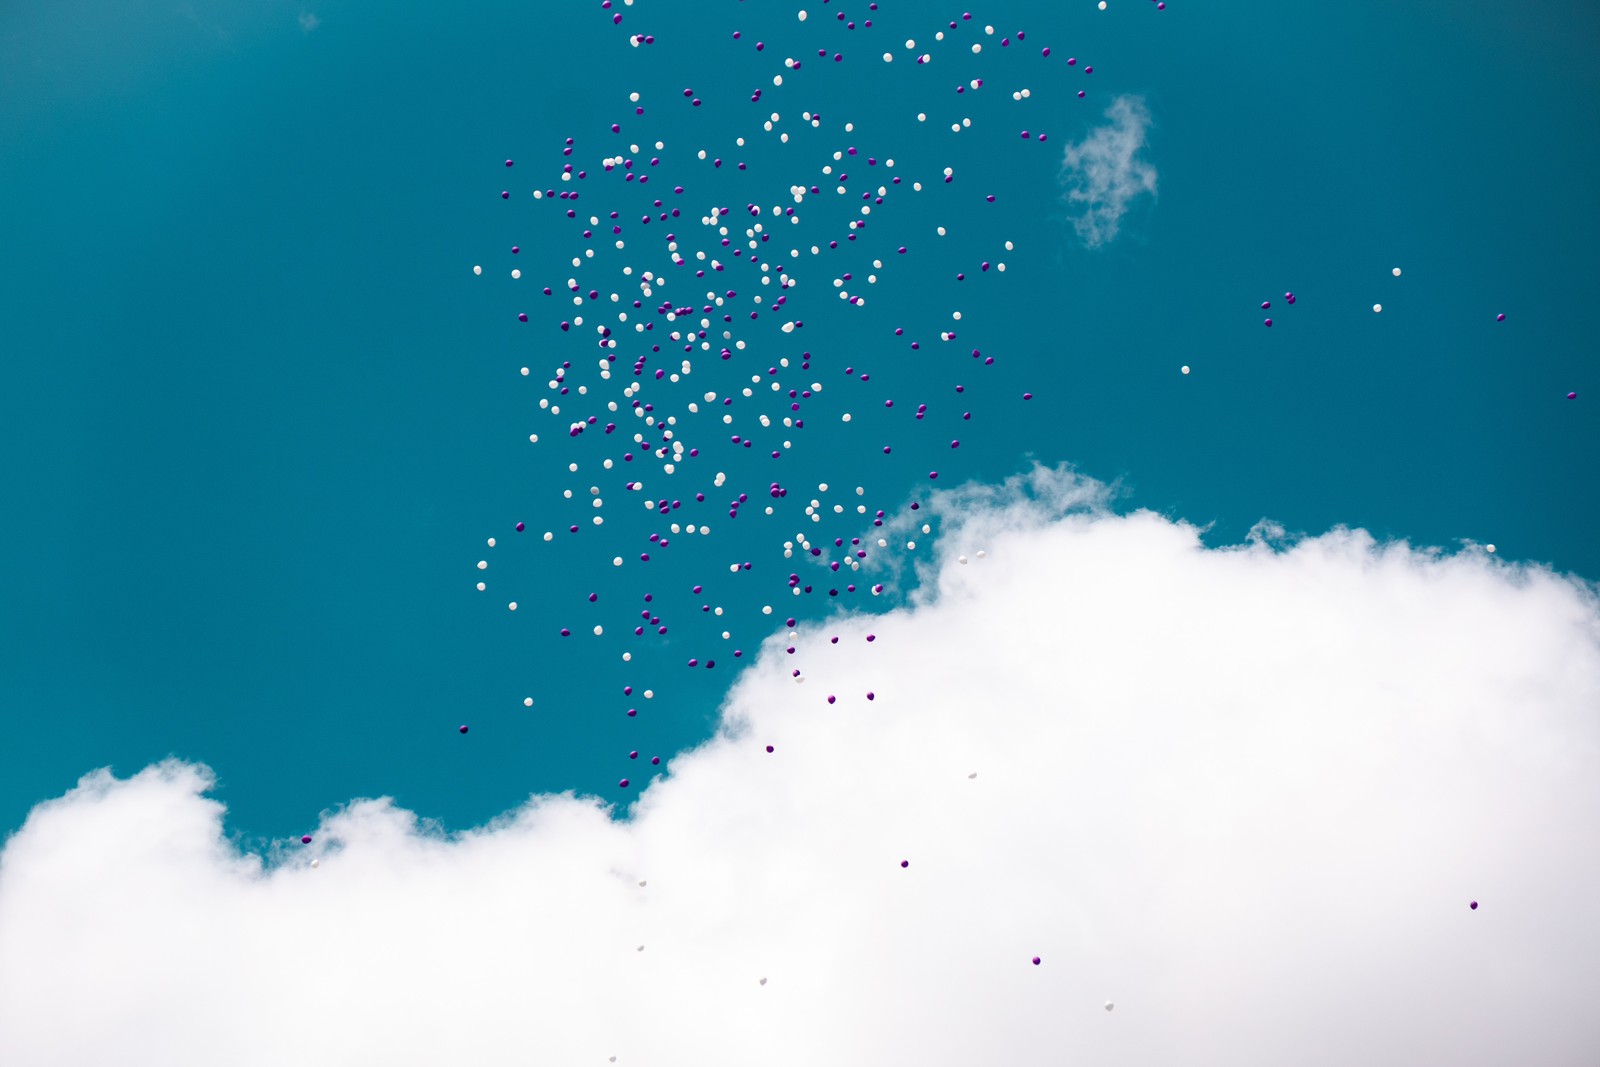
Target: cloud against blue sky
(1246, 794)
(1103, 174)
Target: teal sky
(260, 416)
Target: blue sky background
(260, 416)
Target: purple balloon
(1473, 905)
(463, 727)
(305, 839)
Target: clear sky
(263, 413)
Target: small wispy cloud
(308, 21)
(1102, 174)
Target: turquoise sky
(260, 416)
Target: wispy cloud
(1101, 174)
(1246, 794)
(308, 21)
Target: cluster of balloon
(679, 315)
(691, 321)
(1266, 305)
(700, 252)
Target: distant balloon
(305, 839)
(1109, 1005)
(1036, 961)
(463, 727)
(1572, 396)
(1473, 905)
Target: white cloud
(1246, 794)
(1102, 175)
(308, 21)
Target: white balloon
(1109, 1005)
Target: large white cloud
(1246, 794)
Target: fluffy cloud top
(1246, 794)
(1101, 174)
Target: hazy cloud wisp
(1102, 174)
